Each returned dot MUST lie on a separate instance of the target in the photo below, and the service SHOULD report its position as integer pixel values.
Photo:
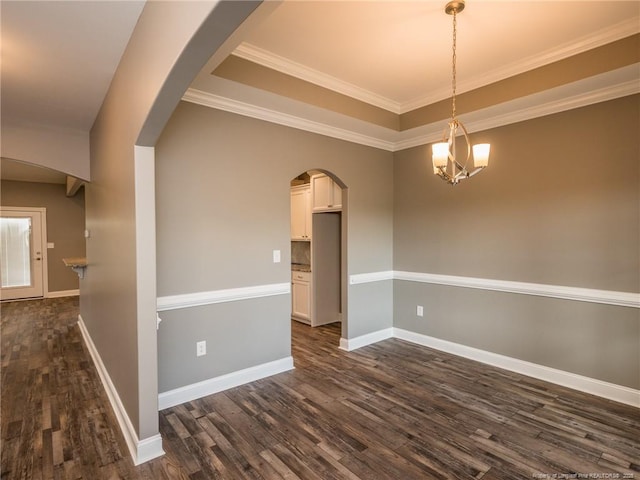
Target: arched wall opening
(319, 212)
(223, 237)
(169, 46)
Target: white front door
(22, 267)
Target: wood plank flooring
(392, 410)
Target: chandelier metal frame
(445, 163)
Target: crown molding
(289, 67)
(597, 89)
(557, 106)
(520, 110)
(597, 39)
(235, 106)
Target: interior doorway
(23, 258)
(318, 249)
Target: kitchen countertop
(75, 262)
(300, 267)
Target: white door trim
(43, 239)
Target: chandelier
(445, 162)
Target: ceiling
(397, 54)
(25, 172)
(379, 72)
(58, 57)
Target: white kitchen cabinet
(326, 195)
(301, 213)
(301, 296)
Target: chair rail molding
(608, 297)
(187, 300)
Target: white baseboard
(618, 393)
(148, 449)
(223, 382)
(364, 340)
(141, 450)
(593, 386)
(63, 293)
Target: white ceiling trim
(597, 39)
(518, 111)
(241, 108)
(604, 87)
(289, 67)
(267, 59)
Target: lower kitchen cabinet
(301, 296)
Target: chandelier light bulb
(440, 152)
(481, 154)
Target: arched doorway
(318, 249)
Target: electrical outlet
(276, 256)
(201, 348)
(420, 311)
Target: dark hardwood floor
(392, 410)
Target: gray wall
(239, 335)
(222, 189)
(65, 225)
(545, 211)
(559, 204)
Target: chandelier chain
(453, 68)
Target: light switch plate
(51, 245)
(276, 256)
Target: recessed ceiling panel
(401, 51)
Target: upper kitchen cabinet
(301, 212)
(326, 195)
